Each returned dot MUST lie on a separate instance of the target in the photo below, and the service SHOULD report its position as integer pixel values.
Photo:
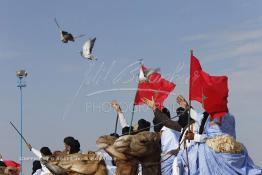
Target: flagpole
(21, 125)
(133, 110)
(117, 116)
(191, 54)
(132, 117)
(189, 113)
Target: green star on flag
(203, 98)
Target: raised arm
(121, 116)
(162, 117)
(36, 152)
(167, 122)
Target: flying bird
(87, 49)
(66, 36)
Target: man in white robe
(45, 151)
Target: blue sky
(67, 95)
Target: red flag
(211, 91)
(11, 163)
(214, 94)
(195, 82)
(152, 85)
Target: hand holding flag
(150, 103)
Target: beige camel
(144, 146)
(75, 164)
(124, 164)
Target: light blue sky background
(62, 87)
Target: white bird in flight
(87, 49)
(143, 75)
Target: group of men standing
(196, 143)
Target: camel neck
(126, 167)
(152, 168)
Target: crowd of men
(198, 144)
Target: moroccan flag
(195, 82)
(211, 91)
(214, 94)
(152, 85)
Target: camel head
(105, 141)
(139, 145)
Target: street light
(21, 74)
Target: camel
(144, 146)
(88, 163)
(125, 165)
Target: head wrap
(45, 151)
(73, 143)
(125, 130)
(143, 125)
(36, 166)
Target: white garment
(197, 117)
(38, 172)
(176, 170)
(122, 120)
(139, 169)
(169, 139)
(38, 154)
(108, 160)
